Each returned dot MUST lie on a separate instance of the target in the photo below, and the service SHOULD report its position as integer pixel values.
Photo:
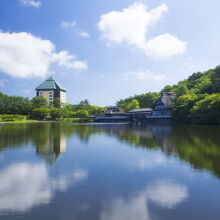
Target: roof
(111, 117)
(50, 83)
(140, 110)
(114, 110)
(167, 99)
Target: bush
(11, 117)
(72, 115)
(39, 113)
(81, 114)
(56, 113)
(68, 113)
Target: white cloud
(83, 34)
(2, 82)
(165, 45)
(26, 90)
(65, 59)
(24, 55)
(33, 3)
(25, 185)
(144, 75)
(66, 24)
(131, 26)
(167, 194)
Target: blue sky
(105, 50)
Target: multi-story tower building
(50, 89)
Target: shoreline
(86, 122)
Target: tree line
(197, 98)
(11, 107)
(146, 100)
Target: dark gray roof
(139, 110)
(113, 110)
(167, 99)
(50, 83)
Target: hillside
(197, 98)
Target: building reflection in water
(52, 148)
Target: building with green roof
(51, 89)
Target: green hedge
(11, 117)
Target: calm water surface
(109, 172)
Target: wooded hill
(197, 98)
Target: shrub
(72, 115)
(67, 113)
(11, 117)
(56, 113)
(81, 114)
(39, 113)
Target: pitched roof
(50, 83)
(167, 99)
(114, 110)
(139, 110)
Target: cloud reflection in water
(167, 194)
(26, 185)
(162, 193)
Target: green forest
(16, 108)
(197, 98)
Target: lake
(109, 171)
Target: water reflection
(23, 186)
(197, 145)
(132, 208)
(153, 161)
(26, 185)
(165, 194)
(108, 171)
(53, 147)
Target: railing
(159, 116)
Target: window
(51, 92)
(51, 95)
(50, 98)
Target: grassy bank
(15, 119)
(25, 119)
(78, 119)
